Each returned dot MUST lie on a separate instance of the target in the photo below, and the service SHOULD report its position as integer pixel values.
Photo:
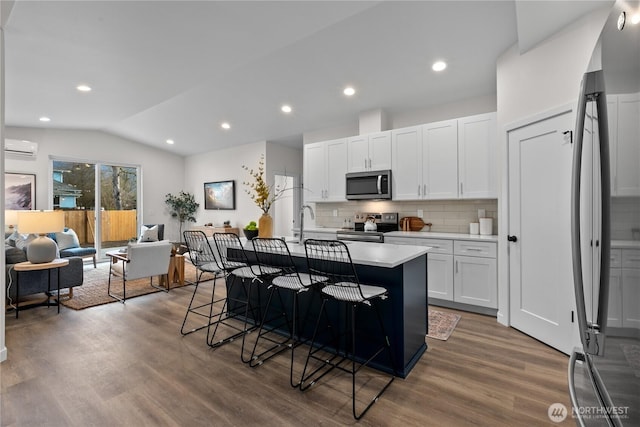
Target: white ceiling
(177, 69)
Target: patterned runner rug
(442, 324)
(93, 291)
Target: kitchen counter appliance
(385, 222)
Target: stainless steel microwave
(369, 185)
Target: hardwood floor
(128, 365)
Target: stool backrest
(230, 250)
(331, 259)
(273, 253)
(200, 250)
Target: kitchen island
(402, 270)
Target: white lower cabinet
(624, 289)
(475, 281)
(463, 271)
(440, 276)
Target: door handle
(512, 239)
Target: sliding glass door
(100, 202)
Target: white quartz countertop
(364, 253)
(625, 244)
(436, 235)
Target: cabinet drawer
(471, 248)
(440, 246)
(630, 258)
(616, 258)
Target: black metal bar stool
(273, 254)
(235, 263)
(204, 260)
(331, 259)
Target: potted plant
(263, 196)
(250, 230)
(182, 206)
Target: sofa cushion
(14, 255)
(81, 252)
(67, 239)
(148, 234)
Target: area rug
(93, 291)
(442, 324)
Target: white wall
(540, 80)
(162, 172)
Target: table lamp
(42, 249)
(11, 219)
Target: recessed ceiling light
(635, 19)
(225, 125)
(45, 119)
(170, 141)
(439, 66)
(349, 91)
(83, 88)
(286, 108)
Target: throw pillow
(11, 239)
(23, 240)
(67, 239)
(149, 234)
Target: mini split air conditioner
(20, 149)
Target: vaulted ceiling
(177, 69)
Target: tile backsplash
(448, 216)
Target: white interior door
(540, 266)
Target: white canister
(486, 226)
(474, 228)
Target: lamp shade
(40, 222)
(42, 249)
(10, 217)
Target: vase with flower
(263, 195)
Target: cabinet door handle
(461, 189)
(474, 249)
(456, 267)
(365, 163)
(369, 163)
(418, 189)
(424, 189)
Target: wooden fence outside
(116, 225)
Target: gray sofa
(35, 282)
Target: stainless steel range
(384, 223)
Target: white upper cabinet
(477, 156)
(325, 166)
(624, 146)
(369, 152)
(406, 159)
(440, 160)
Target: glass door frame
(100, 252)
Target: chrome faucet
(301, 241)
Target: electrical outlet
(420, 213)
(482, 213)
(335, 212)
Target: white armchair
(141, 260)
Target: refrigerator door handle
(575, 356)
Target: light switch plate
(335, 212)
(482, 213)
(420, 213)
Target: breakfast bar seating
(331, 260)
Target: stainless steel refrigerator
(604, 372)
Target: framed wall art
(220, 195)
(19, 191)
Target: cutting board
(411, 223)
